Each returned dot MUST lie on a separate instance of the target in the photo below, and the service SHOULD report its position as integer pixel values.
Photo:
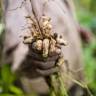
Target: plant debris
(46, 42)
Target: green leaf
(16, 90)
(6, 74)
(6, 94)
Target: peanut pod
(37, 45)
(61, 41)
(52, 45)
(45, 47)
(58, 51)
(60, 61)
(28, 40)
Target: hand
(43, 66)
(43, 55)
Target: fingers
(48, 47)
(43, 65)
(47, 72)
(34, 56)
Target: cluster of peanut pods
(42, 38)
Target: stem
(39, 28)
(56, 85)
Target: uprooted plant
(43, 40)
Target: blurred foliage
(86, 12)
(87, 17)
(1, 31)
(7, 79)
(7, 87)
(90, 66)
